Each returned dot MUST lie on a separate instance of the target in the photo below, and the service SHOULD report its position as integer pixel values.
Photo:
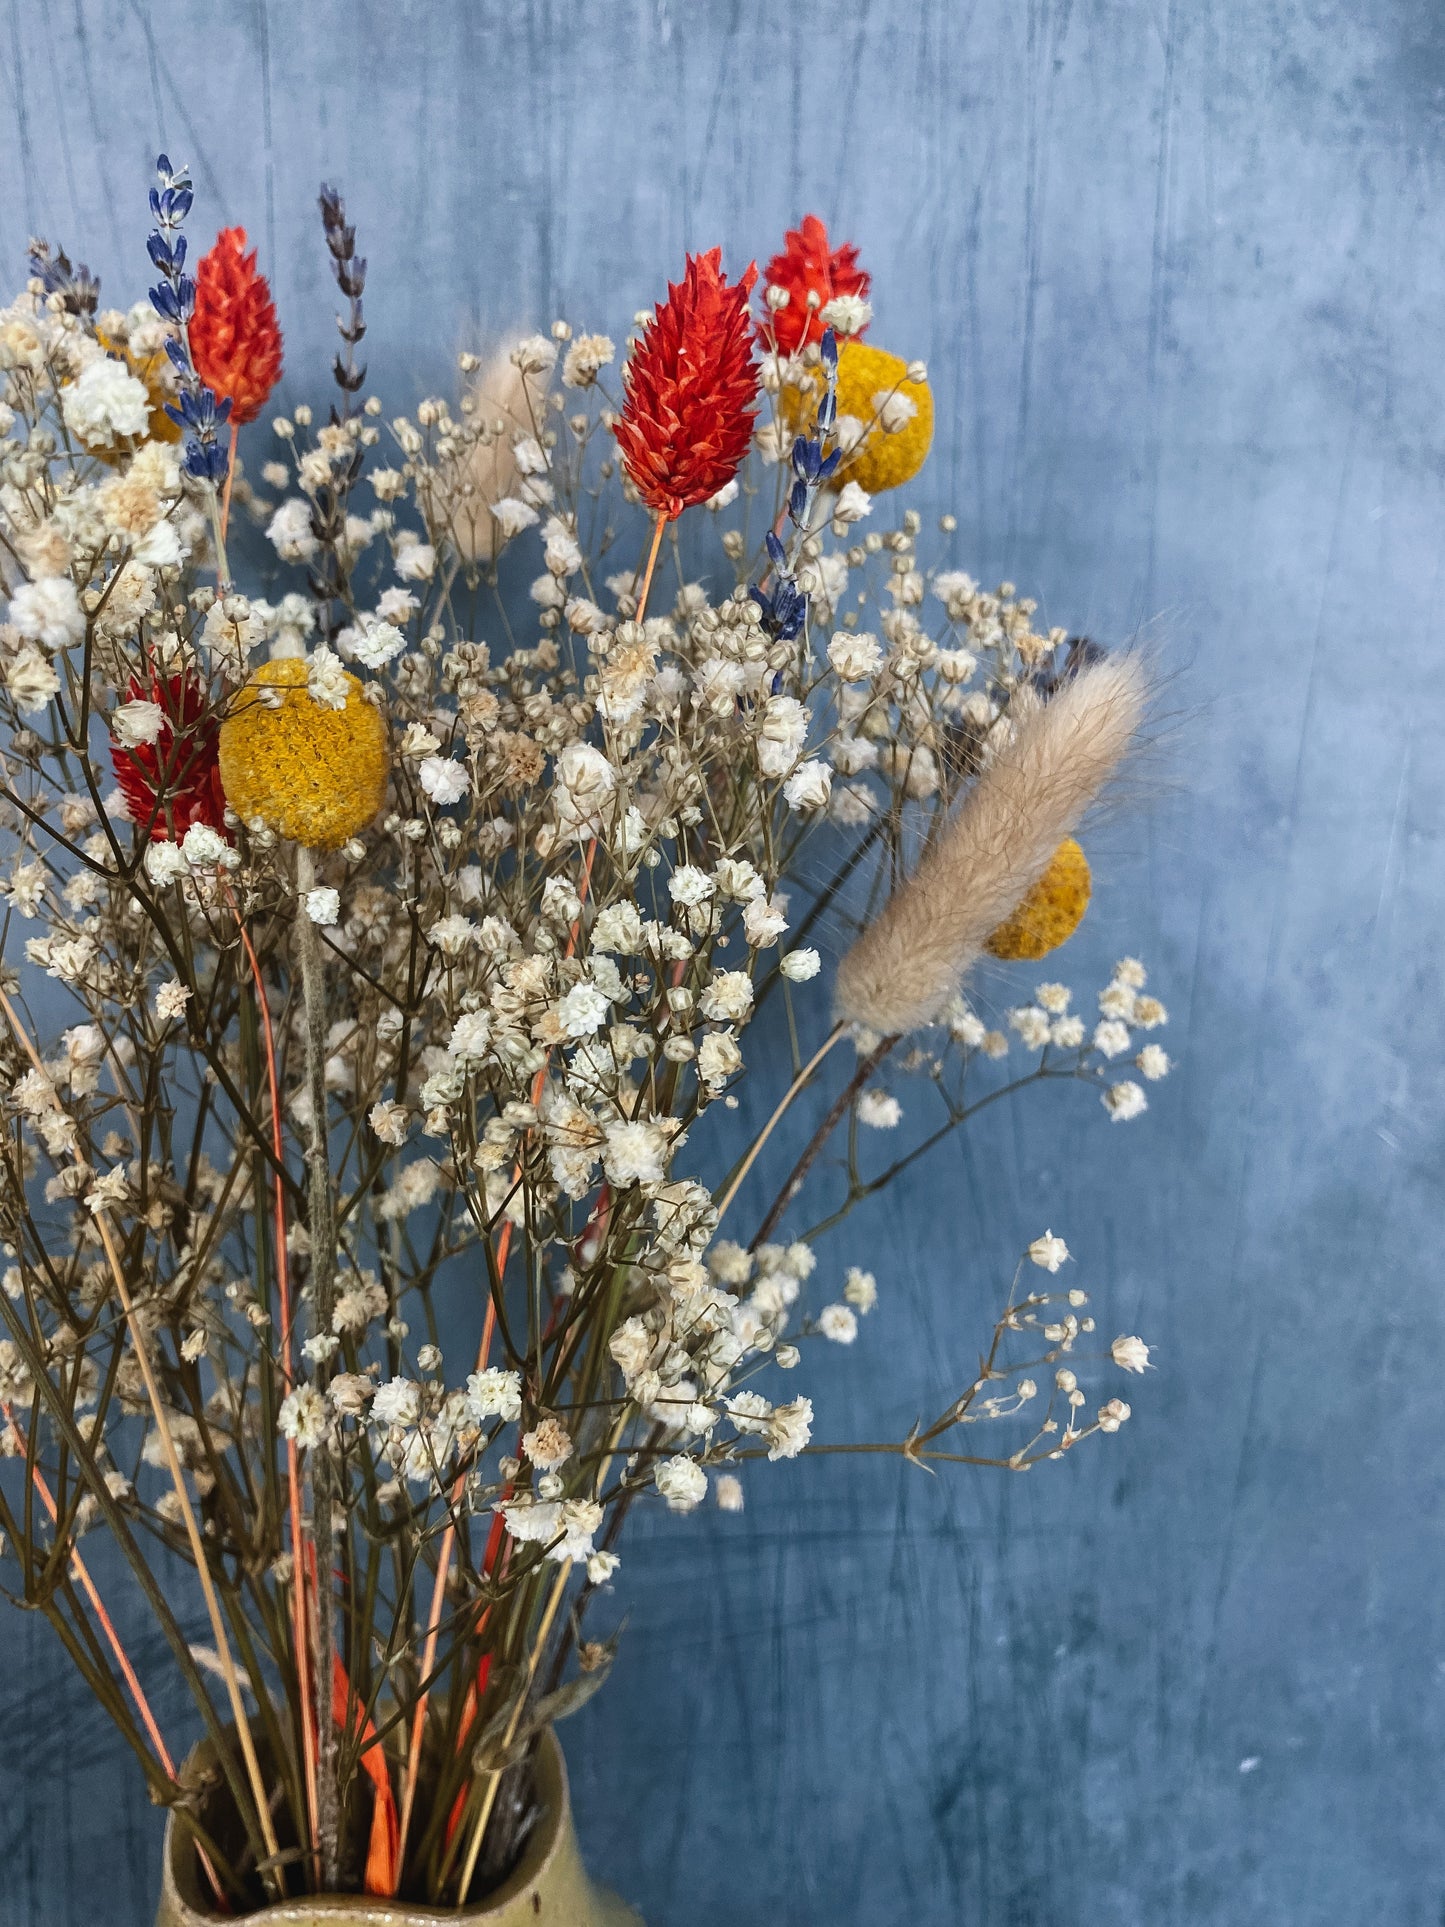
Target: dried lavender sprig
(814, 463)
(350, 270)
(328, 516)
(77, 287)
(174, 297)
(198, 414)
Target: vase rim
(188, 1908)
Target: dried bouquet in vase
(380, 963)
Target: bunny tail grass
(506, 402)
(911, 960)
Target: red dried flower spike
(235, 342)
(176, 780)
(807, 267)
(691, 383)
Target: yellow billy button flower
(1051, 912)
(310, 772)
(875, 392)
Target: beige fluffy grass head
(912, 959)
(509, 405)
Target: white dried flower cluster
(539, 968)
(1051, 1026)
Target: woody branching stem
(87, 1586)
(321, 1200)
(799, 1083)
(299, 1612)
(809, 1156)
(183, 1499)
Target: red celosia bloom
(235, 342)
(691, 383)
(807, 267)
(176, 780)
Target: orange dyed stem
(383, 1863)
(87, 1586)
(660, 525)
(112, 1638)
(293, 1473)
(230, 477)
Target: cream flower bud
(1048, 1252)
(1130, 1354)
(137, 722)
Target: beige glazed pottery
(548, 1885)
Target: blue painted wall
(1176, 270)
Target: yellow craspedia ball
(310, 772)
(1051, 912)
(872, 386)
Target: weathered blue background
(1176, 270)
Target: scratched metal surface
(1176, 272)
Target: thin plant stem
(112, 1639)
(198, 1553)
(145, 1578)
(793, 1183)
(489, 1326)
(218, 536)
(494, 1776)
(183, 1499)
(293, 1472)
(230, 478)
(658, 528)
(322, 1222)
(799, 1083)
(97, 1606)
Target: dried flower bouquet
(400, 961)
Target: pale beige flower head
(911, 960)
